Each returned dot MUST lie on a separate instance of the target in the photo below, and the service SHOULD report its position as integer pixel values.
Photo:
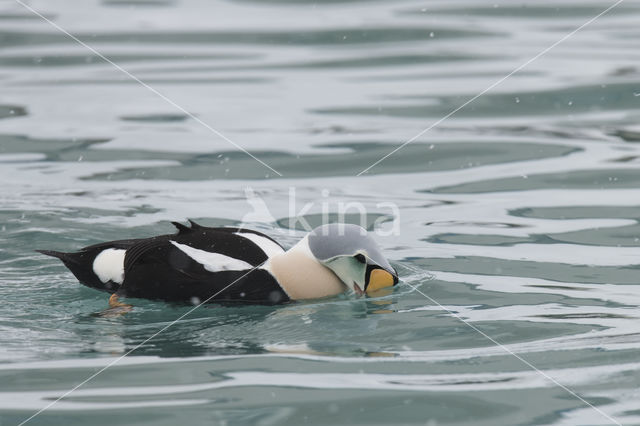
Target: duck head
(330, 258)
(350, 252)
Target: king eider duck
(200, 264)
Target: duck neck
(301, 276)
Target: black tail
(80, 264)
(58, 254)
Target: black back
(154, 268)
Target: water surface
(518, 215)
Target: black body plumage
(161, 267)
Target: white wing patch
(213, 262)
(109, 265)
(266, 245)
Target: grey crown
(341, 239)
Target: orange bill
(378, 279)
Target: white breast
(213, 262)
(266, 245)
(109, 265)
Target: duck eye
(360, 258)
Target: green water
(517, 236)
